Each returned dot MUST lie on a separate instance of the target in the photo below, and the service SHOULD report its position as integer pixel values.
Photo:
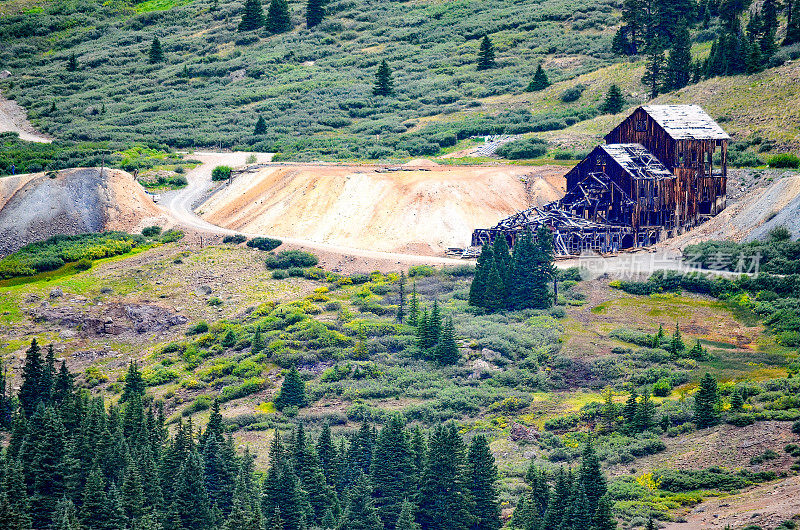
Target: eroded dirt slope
(422, 208)
(36, 206)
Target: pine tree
(435, 325)
(444, 498)
(261, 126)
(676, 345)
(278, 18)
(384, 85)
(477, 289)
(495, 295)
(72, 63)
(66, 516)
(614, 102)
(447, 350)
(423, 329)
(697, 351)
(592, 481)
(391, 471)
(562, 491)
(191, 497)
(539, 81)
(486, 54)
(14, 504)
(405, 521)
(30, 390)
(401, 294)
(293, 390)
(679, 64)
(658, 338)
(134, 383)
(5, 400)
(360, 513)
(532, 271)
(706, 403)
(315, 12)
(328, 456)
(253, 16)
(482, 482)
(793, 23)
(645, 413)
(413, 306)
(635, 18)
(603, 518)
(629, 411)
(737, 401)
(610, 411)
(48, 380)
(94, 509)
(132, 493)
(654, 69)
(155, 54)
(257, 344)
(503, 261)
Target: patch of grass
(159, 5)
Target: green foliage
(252, 17)
(614, 102)
(525, 148)
(572, 94)
(292, 392)
(170, 236)
(278, 18)
(155, 54)
(486, 54)
(56, 251)
(151, 231)
(784, 160)
(291, 258)
(83, 264)
(707, 403)
(264, 243)
(539, 81)
(235, 239)
(384, 85)
(220, 173)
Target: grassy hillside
(534, 382)
(312, 87)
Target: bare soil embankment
(14, 119)
(422, 208)
(36, 206)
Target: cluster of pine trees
(518, 280)
(661, 31)
(436, 335)
(278, 19)
(575, 500)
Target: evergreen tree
(603, 518)
(48, 376)
(405, 521)
(679, 64)
(658, 338)
(132, 493)
(793, 23)
(257, 344)
(391, 471)
(445, 502)
(486, 54)
(634, 17)
(253, 16)
(737, 401)
(384, 85)
(614, 102)
(645, 413)
(155, 54)
(360, 513)
(66, 516)
(44, 455)
(629, 411)
(447, 350)
(315, 12)
(328, 456)
(401, 294)
(503, 261)
(654, 69)
(706, 403)
(413, 306)
(676, 345)
(477, 289)
(261, 126)
(94, 510)
(191, 497)
(30, 390)
(72, 63)
(697, 351)
(532, 271)
(555, 513)
(610, 411)
(14, 504)
(6, 408)
(539, 81)
(495, 297)
(482, 483)
(134, 383)
(278, 18)
(293, 390)
(423, 329)
(592, 481)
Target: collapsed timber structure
(653, 179)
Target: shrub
(84, 264)
(662, 387)
(234, 239)
(416, 271)
(151, 231)
(279, 274)
(214, 301)
(291, 258)
(170, 236)
(221, 173)
(572, 94)
(523, 149)
(264, 243)
(200, 327)
(784, 160)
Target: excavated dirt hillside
(36, 206)
(419, 208)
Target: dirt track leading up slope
(35, 206)
(14, 119)
(422, 209)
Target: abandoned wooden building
(662, 171)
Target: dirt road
(14, 119)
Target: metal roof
(686, 122)
(637, 161)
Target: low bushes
(784, 160)
(234, 239)
(264, 243)
(523, 149)
(289, 259)
(220, 173)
